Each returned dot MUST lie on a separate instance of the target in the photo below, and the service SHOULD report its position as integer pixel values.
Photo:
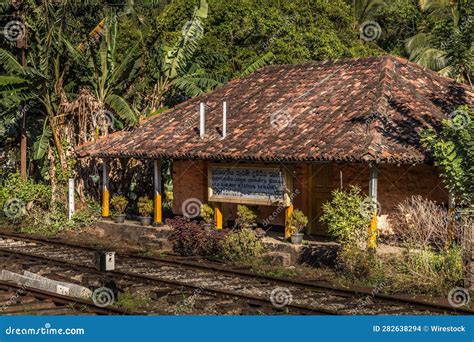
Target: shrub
(246, 217)
(145, 206)
(346, 217)
(242, 246)
(207, 213)
(297, 221)
(427, 271)
(119, 203)
(356, 263)
(193, 238)
(422, 223)
(23, 196)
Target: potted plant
(145, 208)
(119, 203)
(297, 222)
(207, 215)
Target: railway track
(22, 300)
(208, 282)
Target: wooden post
(158, 199)
(288, 212)
(105, 190)
(374, 175)
(218, 218)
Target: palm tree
(451, 55)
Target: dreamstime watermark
(188, 303)
(367, 300)
(281, 297)
(279, 209)
(368, 206)
(103, 296)
(370, 31)
(14, 30)
(104, 120)
(459, 119)
(191, 207)
(14, 299)
(289, 20)
(46, 330)
(281, 119)
(190, 34)
(458, 297)
(14, 208)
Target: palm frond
(258, 63)
(122, 108)
(41, 145)
(10, 63)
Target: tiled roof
(368, 109)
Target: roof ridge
(377, 118)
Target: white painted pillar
(71, 208)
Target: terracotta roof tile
(367, 109)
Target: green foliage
(145, 206)
(453, 152)
(444, 40)
(239, 32)
(119, 203)
(298, 221)
(345, 216)
(242, 246)
(427, 271)
(133, 301)
(29, 195)
(246, 216)
(356, 263)
(207, 213)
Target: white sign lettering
(249, 185)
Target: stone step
(277, 259)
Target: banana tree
(177, 69)
(109, 78)
(41, 84)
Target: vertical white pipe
(202, 120)
(70, 198)
(374, 175)
(224, 119)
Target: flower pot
(119, 218)
(297, 238)
(145, 221)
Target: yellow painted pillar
(288, 212)
(372, 242)
(158, 196)
(372, 239)
(105, 190)
(218, 218)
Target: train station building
(286, 136)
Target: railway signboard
(264, 185)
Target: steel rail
(432, 304)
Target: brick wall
(189, 181)
(396, 183)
